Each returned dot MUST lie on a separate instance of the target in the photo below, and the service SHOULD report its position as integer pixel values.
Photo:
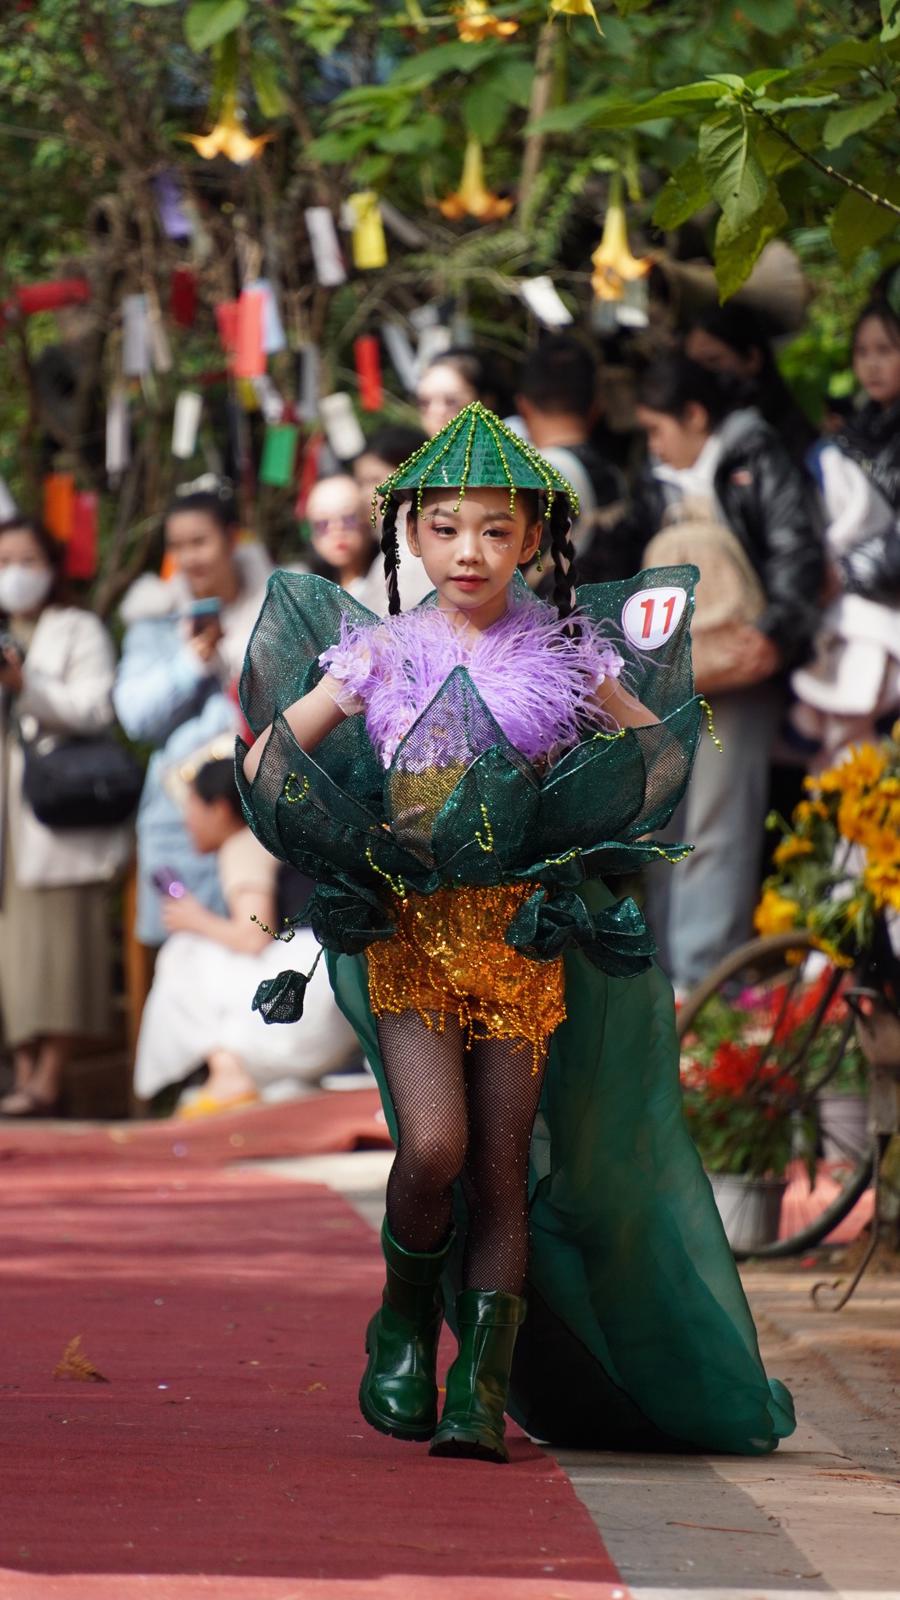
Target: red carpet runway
(225, 1455)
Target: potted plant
(843, 1109)
(741, 1106)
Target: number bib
(651, 616)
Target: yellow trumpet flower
(476, 21)
(473, 198)
(613, 263)
(576, 8)
(228, 138)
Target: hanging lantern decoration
(473, 198)
(614, 265)
(476, 21)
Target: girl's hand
(186, 915)
(626, 709)
(309, 720)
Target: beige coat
(68, 690)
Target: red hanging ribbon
(183, 297)
(367, 357)
(81, 550)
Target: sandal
(24, 1103)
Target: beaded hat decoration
(476, 449)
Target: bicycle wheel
(781, 996)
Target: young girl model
(479, 762)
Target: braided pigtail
(562, 552)
(391, 552)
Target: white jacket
(68, 690)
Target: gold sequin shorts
(448, 957)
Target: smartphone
(200, 613)
(168, 882)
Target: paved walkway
(820, 1517)
(223, 1300)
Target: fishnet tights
(461, 1113)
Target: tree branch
(823, 166)
(540, 100)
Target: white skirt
(200, 1001)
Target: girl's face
(442, 392)
(471, 554)
(676, 441)
(203, 552)
(876, 361)
(339, 535)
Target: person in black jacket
(705, 448)
(731, 339)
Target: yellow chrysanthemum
(775, 913)
(792, 847)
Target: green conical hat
(477, 450)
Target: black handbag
(91, 782)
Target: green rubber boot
(398, 1393)
(478, 1381)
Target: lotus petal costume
(475, 788)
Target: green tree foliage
(745, 118)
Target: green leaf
(336, 147)
(796, 102)
(857, 118)
(154, 2)
(208, 21)
(603, 111)
(731, 167)
(270, 96)
(514, 78)
(682, 196)
(857, 223)
(770, 16)
(429, 65)
(767, 75)
(576, 114)
(427, 134)
(739, 242)
(484, 112)
(890, 19)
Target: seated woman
(199, 1007)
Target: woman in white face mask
(56, 675)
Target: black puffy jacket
(872, 440)
(769, 504)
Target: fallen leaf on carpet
(76, 1365)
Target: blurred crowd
(797, 646)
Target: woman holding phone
(183, 649)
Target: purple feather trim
(535, 678)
